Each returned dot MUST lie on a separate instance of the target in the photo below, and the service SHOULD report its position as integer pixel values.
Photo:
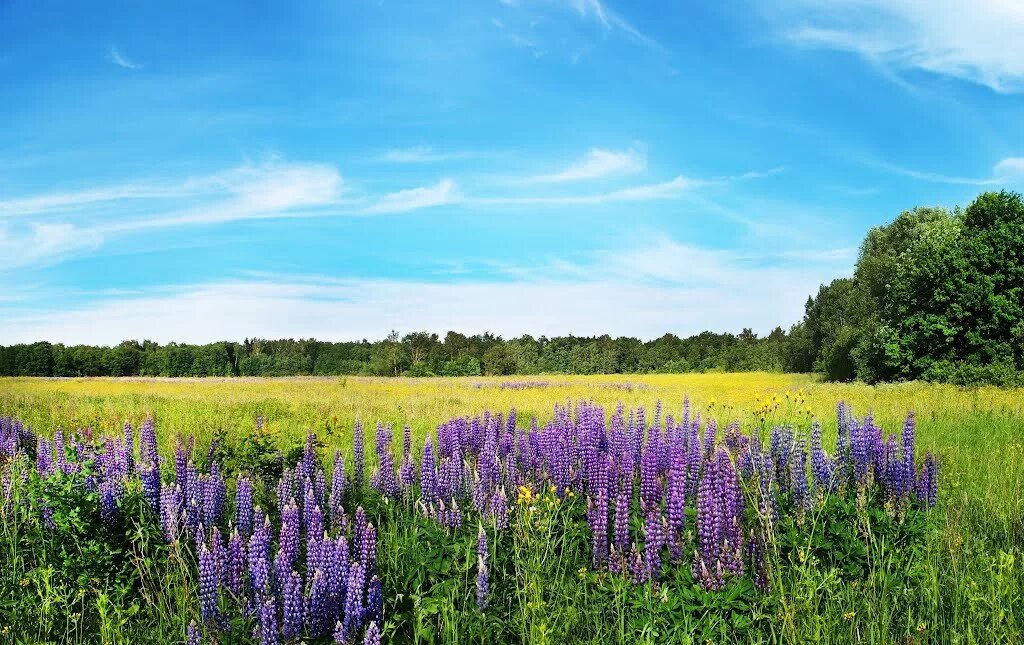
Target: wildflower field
(651, 509)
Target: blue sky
(342, 169)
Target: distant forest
(936, 295)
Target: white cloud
(600, 162)
(1007, 171)
(611, 20)
(443, 192)
(419, 154)
(644, 192)
(981, 41)
(118, 58)
(42, 243)
(642, 291)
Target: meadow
(849, 559)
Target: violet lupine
(207, 584)
(290, 529)
(259, 556)
(317, 602)
(407, 472)
(243, 506)
(44, 458)
(675, 506)
(821, 466)
(732, 514)
(171, 508)
(354, 600)
(756, 552)
(358, 447)
(598, 503)
(499, 508)
(291, 603)
(707, 566)
(192, 635)
(214, 496)
(235, 565)
(908, 465)
(267, 630)
(372, 636)
(622, 502)
(383, 479)
(428, 475)
(336, 500)
(482, 574)
(374, 600)
(653, 541)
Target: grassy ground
(972, 583)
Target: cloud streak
(973, 40)
(597, 163)
(117, 57)
(660, 286)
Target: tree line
(935, 295)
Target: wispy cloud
(1007, 171)
(420, 154)
(410, 199)
(43, 243)
(658, 281)
(597, 163)
(117, 57)
(643, 192)
(612, 20)
(974, 40)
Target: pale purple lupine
(235, 565)
(243, 506)
(336, 500)
(267, 629)
(358, 446)
(482, 573)
(675, 506)
(372, 636)
(259, 555)
(291, 605)
(208, 584)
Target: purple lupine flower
(259, 556)
(650, 486)
(44, 458)
(428, 475)
(290, 528)
(482, 575)
(372, 636)
(108, 502)
(243, 506)
(675, 506)
(268, 632)
(756, 553)
(291, 605)
(499, 508)
(637, 566)
(338, 484)
(147, 443)
(317, 602)
(368, 550)
(374, 600)
(928, 482)
(207, 584)
(357, 456)
(653, 540)
(192, 635)
(707, 566)
(354, 600)
(235, 565)
(149, 474)
(171, 507)
(214, 496)
(623, 498)
(908, 466)
(339, 633)
(731, 501)
(821, 466)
